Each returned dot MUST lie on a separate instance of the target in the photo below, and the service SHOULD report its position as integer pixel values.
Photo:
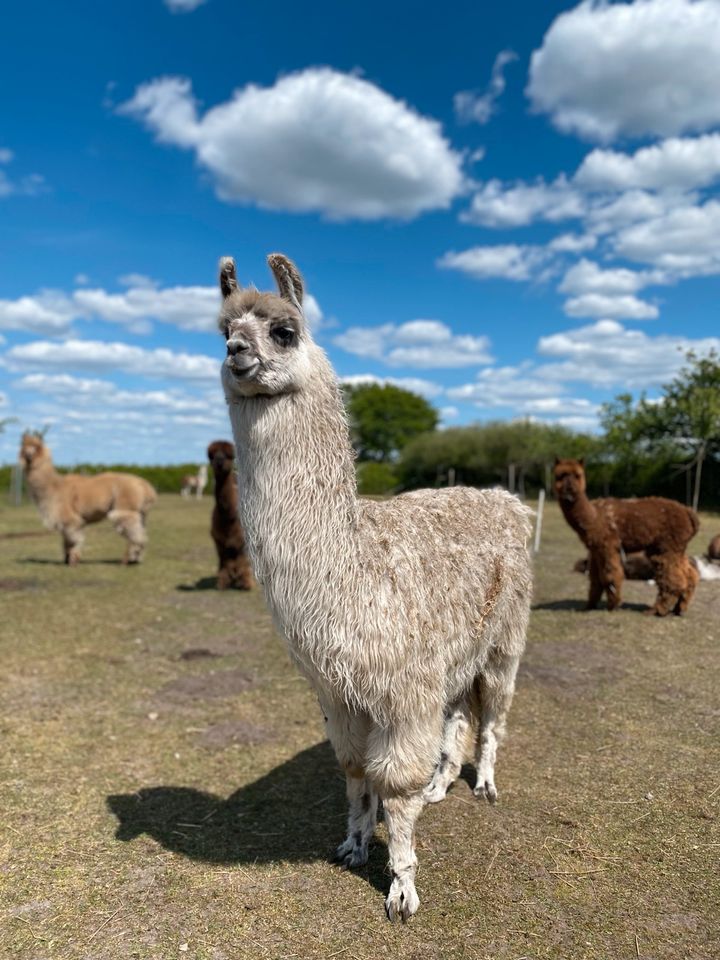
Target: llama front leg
(73, 539)
(495, 688)
(457, 725)
(401, 812)
(671, 579)
(362, 816)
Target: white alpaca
(195, 482)
(407, 616)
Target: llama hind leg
(495, 688)
(457, 725)
(671, 579)
(131, 525)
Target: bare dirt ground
(166, 791)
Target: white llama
(195, 482)
(408, 616)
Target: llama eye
(283, 335)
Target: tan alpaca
(408, 616)
(68, 502)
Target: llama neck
(42, 479)
(297, 494)
(581, 515)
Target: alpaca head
(569, 479)
(268, 345)
(32, 449)
(221, 455)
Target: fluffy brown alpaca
(659, 527)
(636, 566)
(68, 502)
(234, 566)
(713, 551)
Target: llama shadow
(581, 606)
(295, 813)
(204, 583)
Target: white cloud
(509, 261)
(318, 140)
(425, 388)
(87, 392)
(606, 354)
(98, 356)
(183, 6)
(419, 344)
(572, 243)
(517, 205)
(29, 185)
(624, 307)
(513, 386)
(683, 241)
(190, 308)
(49, 312)
(586, 276)
(472, 107)
(674, 164)
(630, 69)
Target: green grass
(166, 791)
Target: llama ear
(287, 276)
(228, 277)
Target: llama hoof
(402, 901)
(486, 790)
(350, 856)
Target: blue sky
(511, 208)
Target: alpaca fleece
(408, 616)
(226, 531)
(68, 502)
(658, 527)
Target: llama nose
(237, 345)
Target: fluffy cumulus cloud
(29, 185)
(630, 69)
(473, 107)
(426, 388)
(511, 386)
(685, 163)
(99, 356)
(508, 261)
(609, 293)
(418, 344)
(683, 241)
(517, 205)
(607, 354)
(318, 140)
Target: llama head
(32, 448)
(569, 479)
(221, 455)
(268, 345)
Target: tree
(383, 419)
(684, 421)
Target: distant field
(166, 791)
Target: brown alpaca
(67, 503)
(636, 566)
(713, 550)
(234, 566)
(659, 527)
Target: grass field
(166, 791)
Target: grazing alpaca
(408, 616)
(194, 482)
(659, 527)
(234, 566)
(68, 502)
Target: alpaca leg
(670, 577)
(692, 578)
(130, 525)
(362, 817)
(612, 575)
(457, 725)
(495, 688)
(347, 732)
(401, 812)
(596, 588)
(73, 539)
